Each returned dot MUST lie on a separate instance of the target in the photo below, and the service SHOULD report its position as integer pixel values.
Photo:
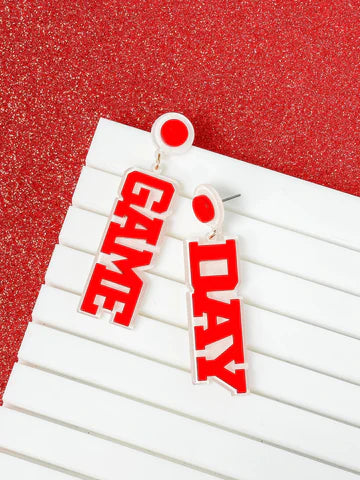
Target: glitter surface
(275, 83)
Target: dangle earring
(214, 305)
(135, 227)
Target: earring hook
(214, 231)
(231, 197)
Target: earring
(133, 233)
(214, 305)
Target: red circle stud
(203, 208)
(174, 132)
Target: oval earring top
(203, 208)
(208, 207)
(173, 133)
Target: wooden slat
(83, 453)
(83, 230)
(145, 379)
(58, 309)
(302, 344)
(170, 345)
(14, 468)
(305, 388)
(267, 195)
(261, 287)
(262, 243)
(271, 289)
(265, 330)
(301, 300)
(174, 436)
(69, 269)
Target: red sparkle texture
(274, 83)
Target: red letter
(134, 221)
(217, 368)
(136, 177)
(218, 251)
(112, 295)
(223, 316)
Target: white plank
(14, 468)
(302, 344)
(284, 271)
(69, 269)
(80, 230)
(261, 287)
(174, 436)
(144, 379)
(58, 309)
(262, 243)
(105, 460)
(265, 332)
(305, 388)
(267, 195)
(170, 345)
(96, 190)
(83, 230)
(300, 299)
(83, 453)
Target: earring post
(232, 197)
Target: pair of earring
(131, 241)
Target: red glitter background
(275, 83)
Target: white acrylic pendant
(131, 240)
(134, 229)
(214, 305)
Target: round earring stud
(173, 134)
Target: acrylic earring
(133, 234)
(214, 305)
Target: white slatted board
(91, 400)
